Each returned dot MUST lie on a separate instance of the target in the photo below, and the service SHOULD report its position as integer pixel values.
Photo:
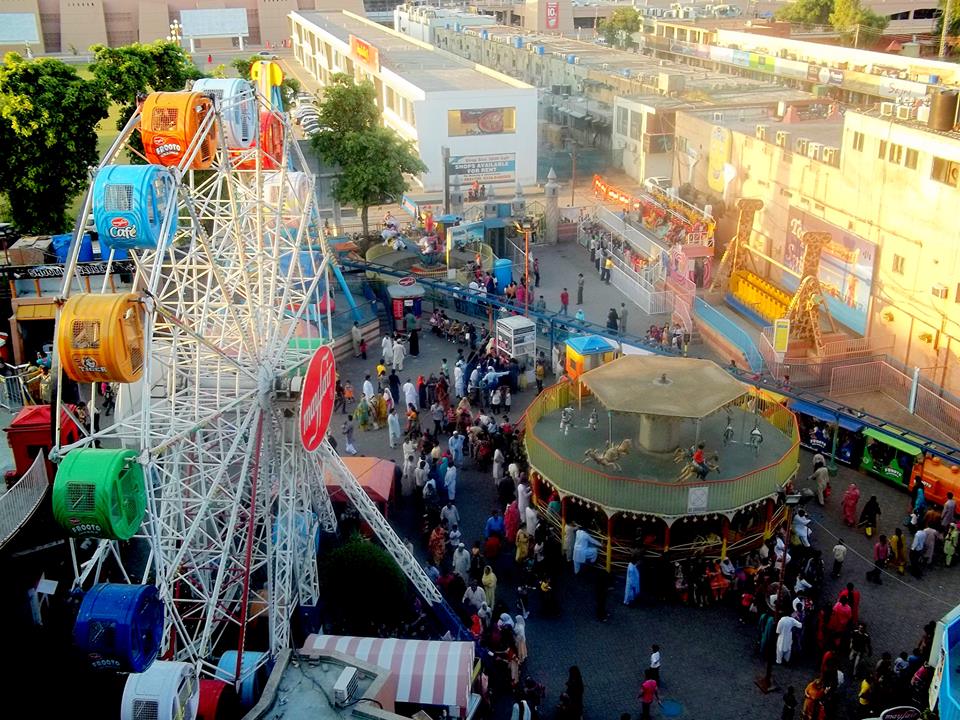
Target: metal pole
(445, 153)
(526, 271)
(573, 171)
(832, 467)
(945, 18)
(914, 383)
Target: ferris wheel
(201, 465)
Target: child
(789, 711)
(347, 394)
(454, 536)
(363, 348)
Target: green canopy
(893, 441)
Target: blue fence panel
(731, 331)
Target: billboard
(846, 268)
(498, 168)
(482, 121)
(553, 15)
(365, 53)
(720, 141)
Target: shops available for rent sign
(498, 168)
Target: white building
(431, 97)
(421, 21)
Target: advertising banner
(485, 169)
(365, 53)
(553, 15)
(481, 121)
(846, 268)
(720, 141)
(824, 75)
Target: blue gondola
(237, 103)
(120, 627)
(129, 202)
(251, 681)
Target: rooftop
(419, 64)
(826, 131)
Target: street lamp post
(526, 227)
(176, 32)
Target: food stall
(406, 297)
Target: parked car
(657, 183)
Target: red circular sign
(407, 281)
(316, 398)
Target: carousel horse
(609, 456)
(691, 469)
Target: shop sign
(365, 53)
(498, 168)
(824, 75)
(781, 335)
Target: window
(926, 13)
(623, 121)
(905, 15)
(911, 161)
(896, 153)
(636, 125)
(899, 262)
(883, 150)
(858, 141)
(946, 172)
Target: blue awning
(821, 413)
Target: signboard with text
(553, 15)
(316, 398)
(496, 168)
(365, 53)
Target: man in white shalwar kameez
(584, 549)
(386, 350)
(785, 628)
(399, 355)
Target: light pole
(176, 32)
(526, 227)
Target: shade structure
(428, 672)
(663, 386)
(590, 344)
(375, 477)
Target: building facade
(487, 120)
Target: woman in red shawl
(443, 394)
(437, 544)
(511, 521)
(849, 504)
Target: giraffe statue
(737, 254)
(804, 310)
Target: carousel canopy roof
(668, 386)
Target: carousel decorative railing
(666, 499)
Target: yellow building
(885, 188)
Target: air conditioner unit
(800, 145)
(831, 156)
(886, 109)
(718, 117)
(345, 686)
(761, 132)
(165, 691)
(814, 150)
(939, 291)
(783, 138)
(906, 112)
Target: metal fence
(617, 493)
(640, 242)
(640, 291)
(726, 327)
(18, 504)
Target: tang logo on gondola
(316, 398)
(166, 147)
(121, 228)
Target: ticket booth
(586, 352)
(517, 337)
(405, 298)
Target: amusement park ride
(204, 505)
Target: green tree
(953, 23)
(621, 24)
(48, 119)
(850, 17)
(373, 159)
(363, 586)
(806, 12)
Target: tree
(953, 23)
(48, 119)
(373, 159)
(806, 12)
(849, 16)
(363, 587)
(621, 24)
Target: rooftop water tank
(943, 110)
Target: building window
(636, 125)
(896, 153)
(883, 150)
(946, 172)
(898, 264)
(911, 161)
(858, 141)
(623, 121)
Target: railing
(18, 504)
(731, 331)
(639, 290)
(669, 499)
(684, 292)
(642, 243)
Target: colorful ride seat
(270, 145)
(169, 125)
(129, 206)
(100, 338)
(237, 103)
(99, 493)
(120, 627)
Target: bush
(363, 587)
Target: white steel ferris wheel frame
(233, 499)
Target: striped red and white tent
(428, 672)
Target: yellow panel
(39, 311)
(719, 156)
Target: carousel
(667, 455)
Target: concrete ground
(710, 660)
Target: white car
(652, 184)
